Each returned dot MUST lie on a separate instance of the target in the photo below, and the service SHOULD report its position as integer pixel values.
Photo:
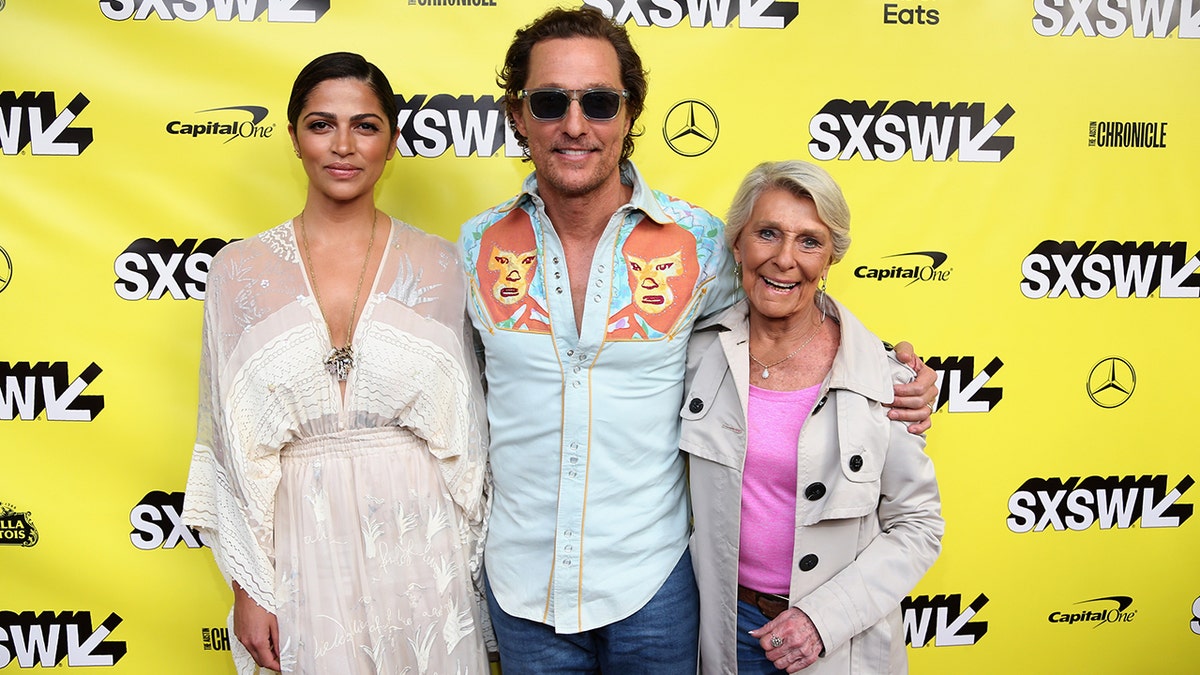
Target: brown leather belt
(769, 604)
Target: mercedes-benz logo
(5, 261)
(691, 128)
(1111, 382)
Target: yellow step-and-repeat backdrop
(1022, 176)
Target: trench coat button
(814, 492)
(856, 462)
(808, 562)
(696, 405)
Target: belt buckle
(769, 605)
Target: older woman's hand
(914, 402)
(790, 640)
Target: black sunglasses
(550, 103)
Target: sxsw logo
(46, 639)
(888, 131)
(961, 388)
(1111, 502)
(431, 125)
(155, 269)
(33, 120)
(941, 620)
(700, 13)
(278, 11)
(1112, 18)
(1092, 270)
(26, 391)
(158, 522)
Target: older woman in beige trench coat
(859, 520)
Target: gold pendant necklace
(341, 359)
(766, 370)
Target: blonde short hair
(802, 179)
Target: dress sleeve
(230, 495)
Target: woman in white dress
(339, 473)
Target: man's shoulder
(472, 230)
(688, 214)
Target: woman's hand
(799, 643)
(914, 401)
(256, 628)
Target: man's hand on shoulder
(915, 400)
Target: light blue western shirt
(589, 512)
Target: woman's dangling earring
(737, 273)
(297, 154)
(821, 300)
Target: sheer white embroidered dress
(357, 521)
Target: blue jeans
(661, 638)
(752, 660)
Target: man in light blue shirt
(585, 289)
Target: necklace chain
(766, 369)
(341, 359)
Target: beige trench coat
(861, 544)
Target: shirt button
(571, 474)
(576, 369)
(572, 459)
(567, 533)
(575, 384)
(555, 260)
(558, 275)
(596, 298)
(570, 352)
(696, 405)
(566, 562)
(599, 283)
(808, 562)
(856, 462)
(574, 445)
(814, 492)
(558, 290)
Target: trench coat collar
(861, 364)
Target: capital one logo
(700, 13)
(961, 388)
(927, 131)
(1112, 18)
(942, 621)
(277, 11)
(1112, 609)
(34, 121)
